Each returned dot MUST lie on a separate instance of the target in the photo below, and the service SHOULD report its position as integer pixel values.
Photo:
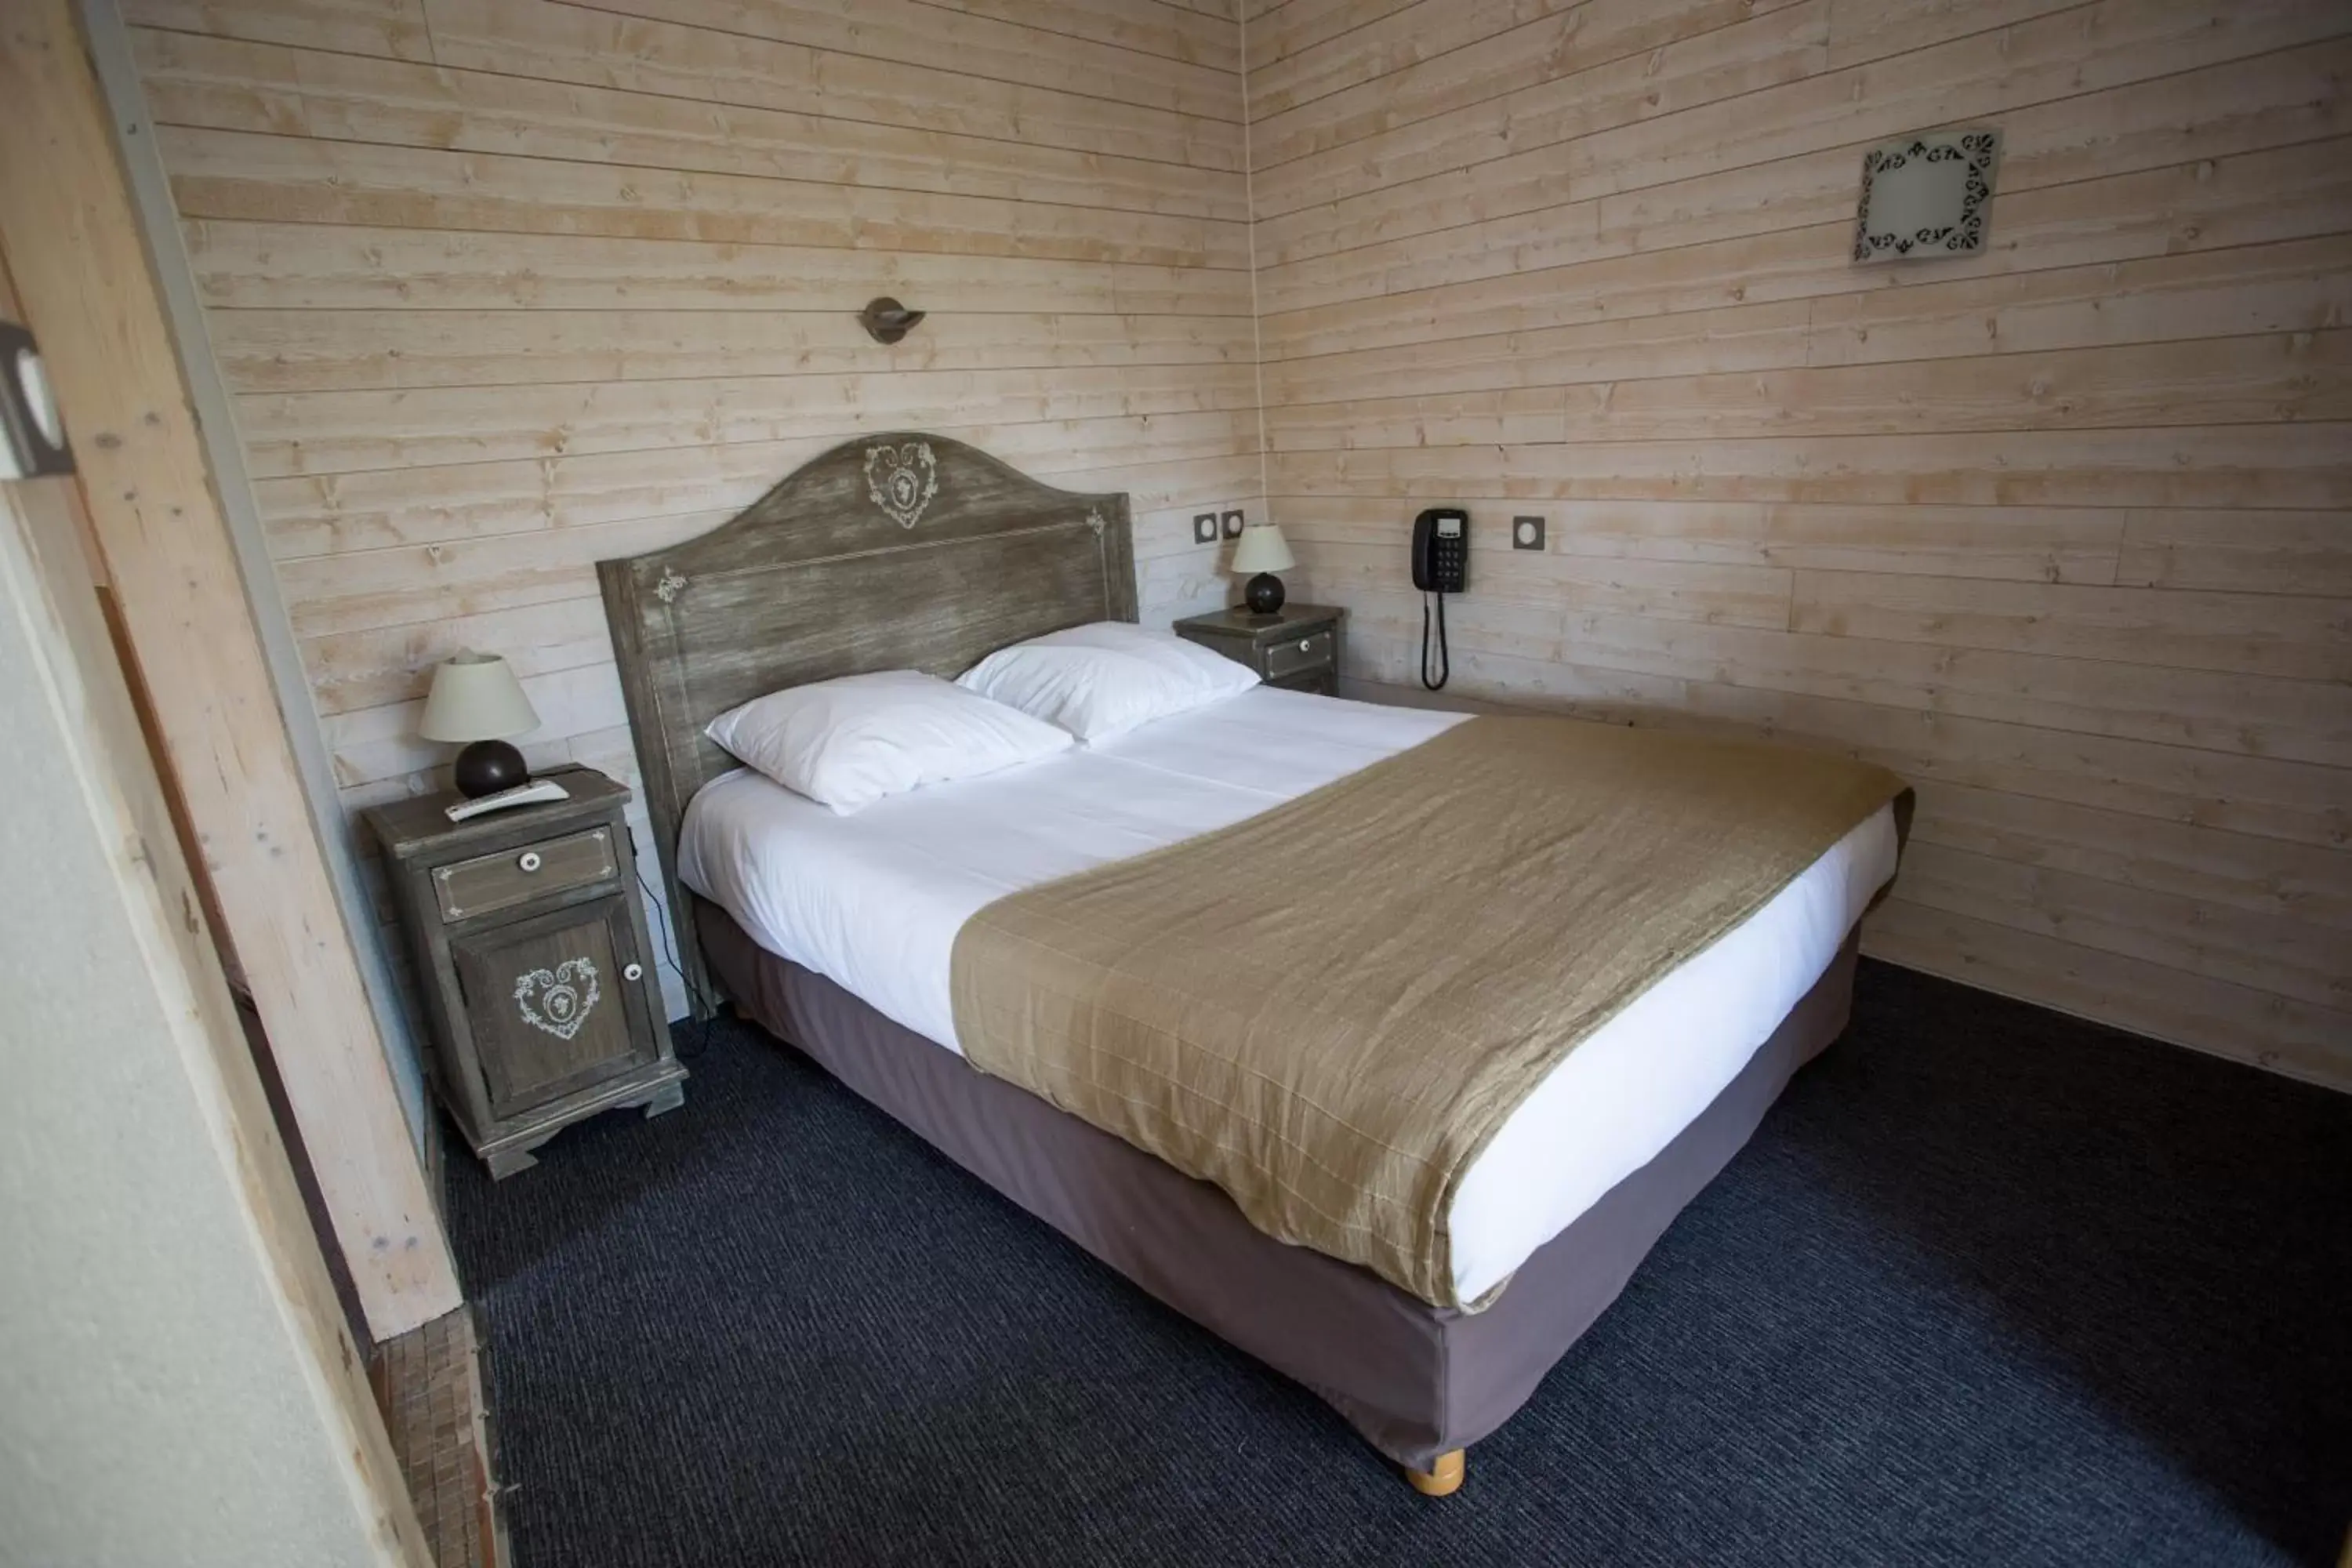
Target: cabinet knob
(530, 860)
(1306, 643)
(634, 972)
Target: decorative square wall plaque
(1925, 196)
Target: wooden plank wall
(2061, 531)
(502, 287)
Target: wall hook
(888, 320)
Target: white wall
(172, 1388)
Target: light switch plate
(1527, 533)
(1234, 524)
(1204, 527)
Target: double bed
(839, 933)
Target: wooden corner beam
(72, 240)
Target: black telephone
(1440, 550)
(1441, 565)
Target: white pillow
(849, 743)
(1101, 681)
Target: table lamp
(476, 698)
(1262, 550)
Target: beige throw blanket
(1328, 1010)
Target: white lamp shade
(476, 697)
(1263, 549)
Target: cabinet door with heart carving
(554, 1001)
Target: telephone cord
(1445, 654)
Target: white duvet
(873, 901)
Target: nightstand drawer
(1290, 657)
(486, 882)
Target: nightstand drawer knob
(530, 860)
(1305, 644)
(634, 972)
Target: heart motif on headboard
(902, 480)
(558, 1000)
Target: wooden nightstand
(532, 955)
(1297, 646)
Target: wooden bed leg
(1442, 1479)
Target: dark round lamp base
(1263, 593)
(487, 767)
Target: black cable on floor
(707, 1006)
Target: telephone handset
(1441, 565)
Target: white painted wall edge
(176, 1383)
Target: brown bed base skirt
(1417, 1380)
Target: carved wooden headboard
(897, 552)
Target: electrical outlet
(1234, 524)
(1527, 533)
(1204, 527)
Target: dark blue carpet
(1990, 1286)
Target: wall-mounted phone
(1441, 551)
(1441, 565)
